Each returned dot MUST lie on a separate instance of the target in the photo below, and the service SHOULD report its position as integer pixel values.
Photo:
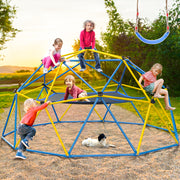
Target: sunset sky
(43, 21)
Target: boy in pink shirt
(87, 41)
(73, 90)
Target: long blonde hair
(157, 66)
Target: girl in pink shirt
(73, 90)
(154, 86)
(87, 41)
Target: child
(72, 89)
(25, 129)
(87, 41)
(154, 86)
(53, 56)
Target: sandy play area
(163, 164)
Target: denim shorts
(149, 88)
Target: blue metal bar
(49, 153)
(15, 122)
(8, 116)
(33, 81)
(83, 125)
(63, 73)
(81, 78)
(119, 84)
(92, 60)
(106, 112)
(102, 155)
(112, 76)
(55, 113)
(158, 149)
(29, 78)
(133, 105)
(8, 142)
(103, 73)
(120, 127)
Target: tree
(7, 15)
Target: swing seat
(156, 41)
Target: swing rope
(147, 41)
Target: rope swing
(156, 41)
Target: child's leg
(157, 87)
(31, 131)
(47, 62)
(56, 58)
(96, 57)
(166, 99)
(81, 59)
(83, 94)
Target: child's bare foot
(158, 96)
(170, 108)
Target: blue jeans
(82, 61)
(25, 132)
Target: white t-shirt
(54, 51)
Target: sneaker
(99, 70)
(45, 70)
(82, 69)
(158, 96)
(52, 68)
(25, 142)
(20, 155)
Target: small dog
(100, 142)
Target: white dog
(100, 142)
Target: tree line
(120, 39)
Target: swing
(156, 41)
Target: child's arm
(140, 81)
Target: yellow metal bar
(97, 113)
(125, 85)
(127, 99)
(136, 80)
(65, 112)
(76, 99)
(112, 55)
(60, 140)
(165, 124)
(34, 89)
(53, 82)
(23, 95)
(144, 126)
(17, 143)
(19, 108)
(78, 52)
(165, 113)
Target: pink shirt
(148, 78)
(75, 91)
(30, 116)
(87, 39)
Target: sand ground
(164, 164)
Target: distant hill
(13, 69)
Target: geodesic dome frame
(101, 96)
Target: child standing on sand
(154, 86)
(25, 129)
(87, 41)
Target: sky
(42, 21)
